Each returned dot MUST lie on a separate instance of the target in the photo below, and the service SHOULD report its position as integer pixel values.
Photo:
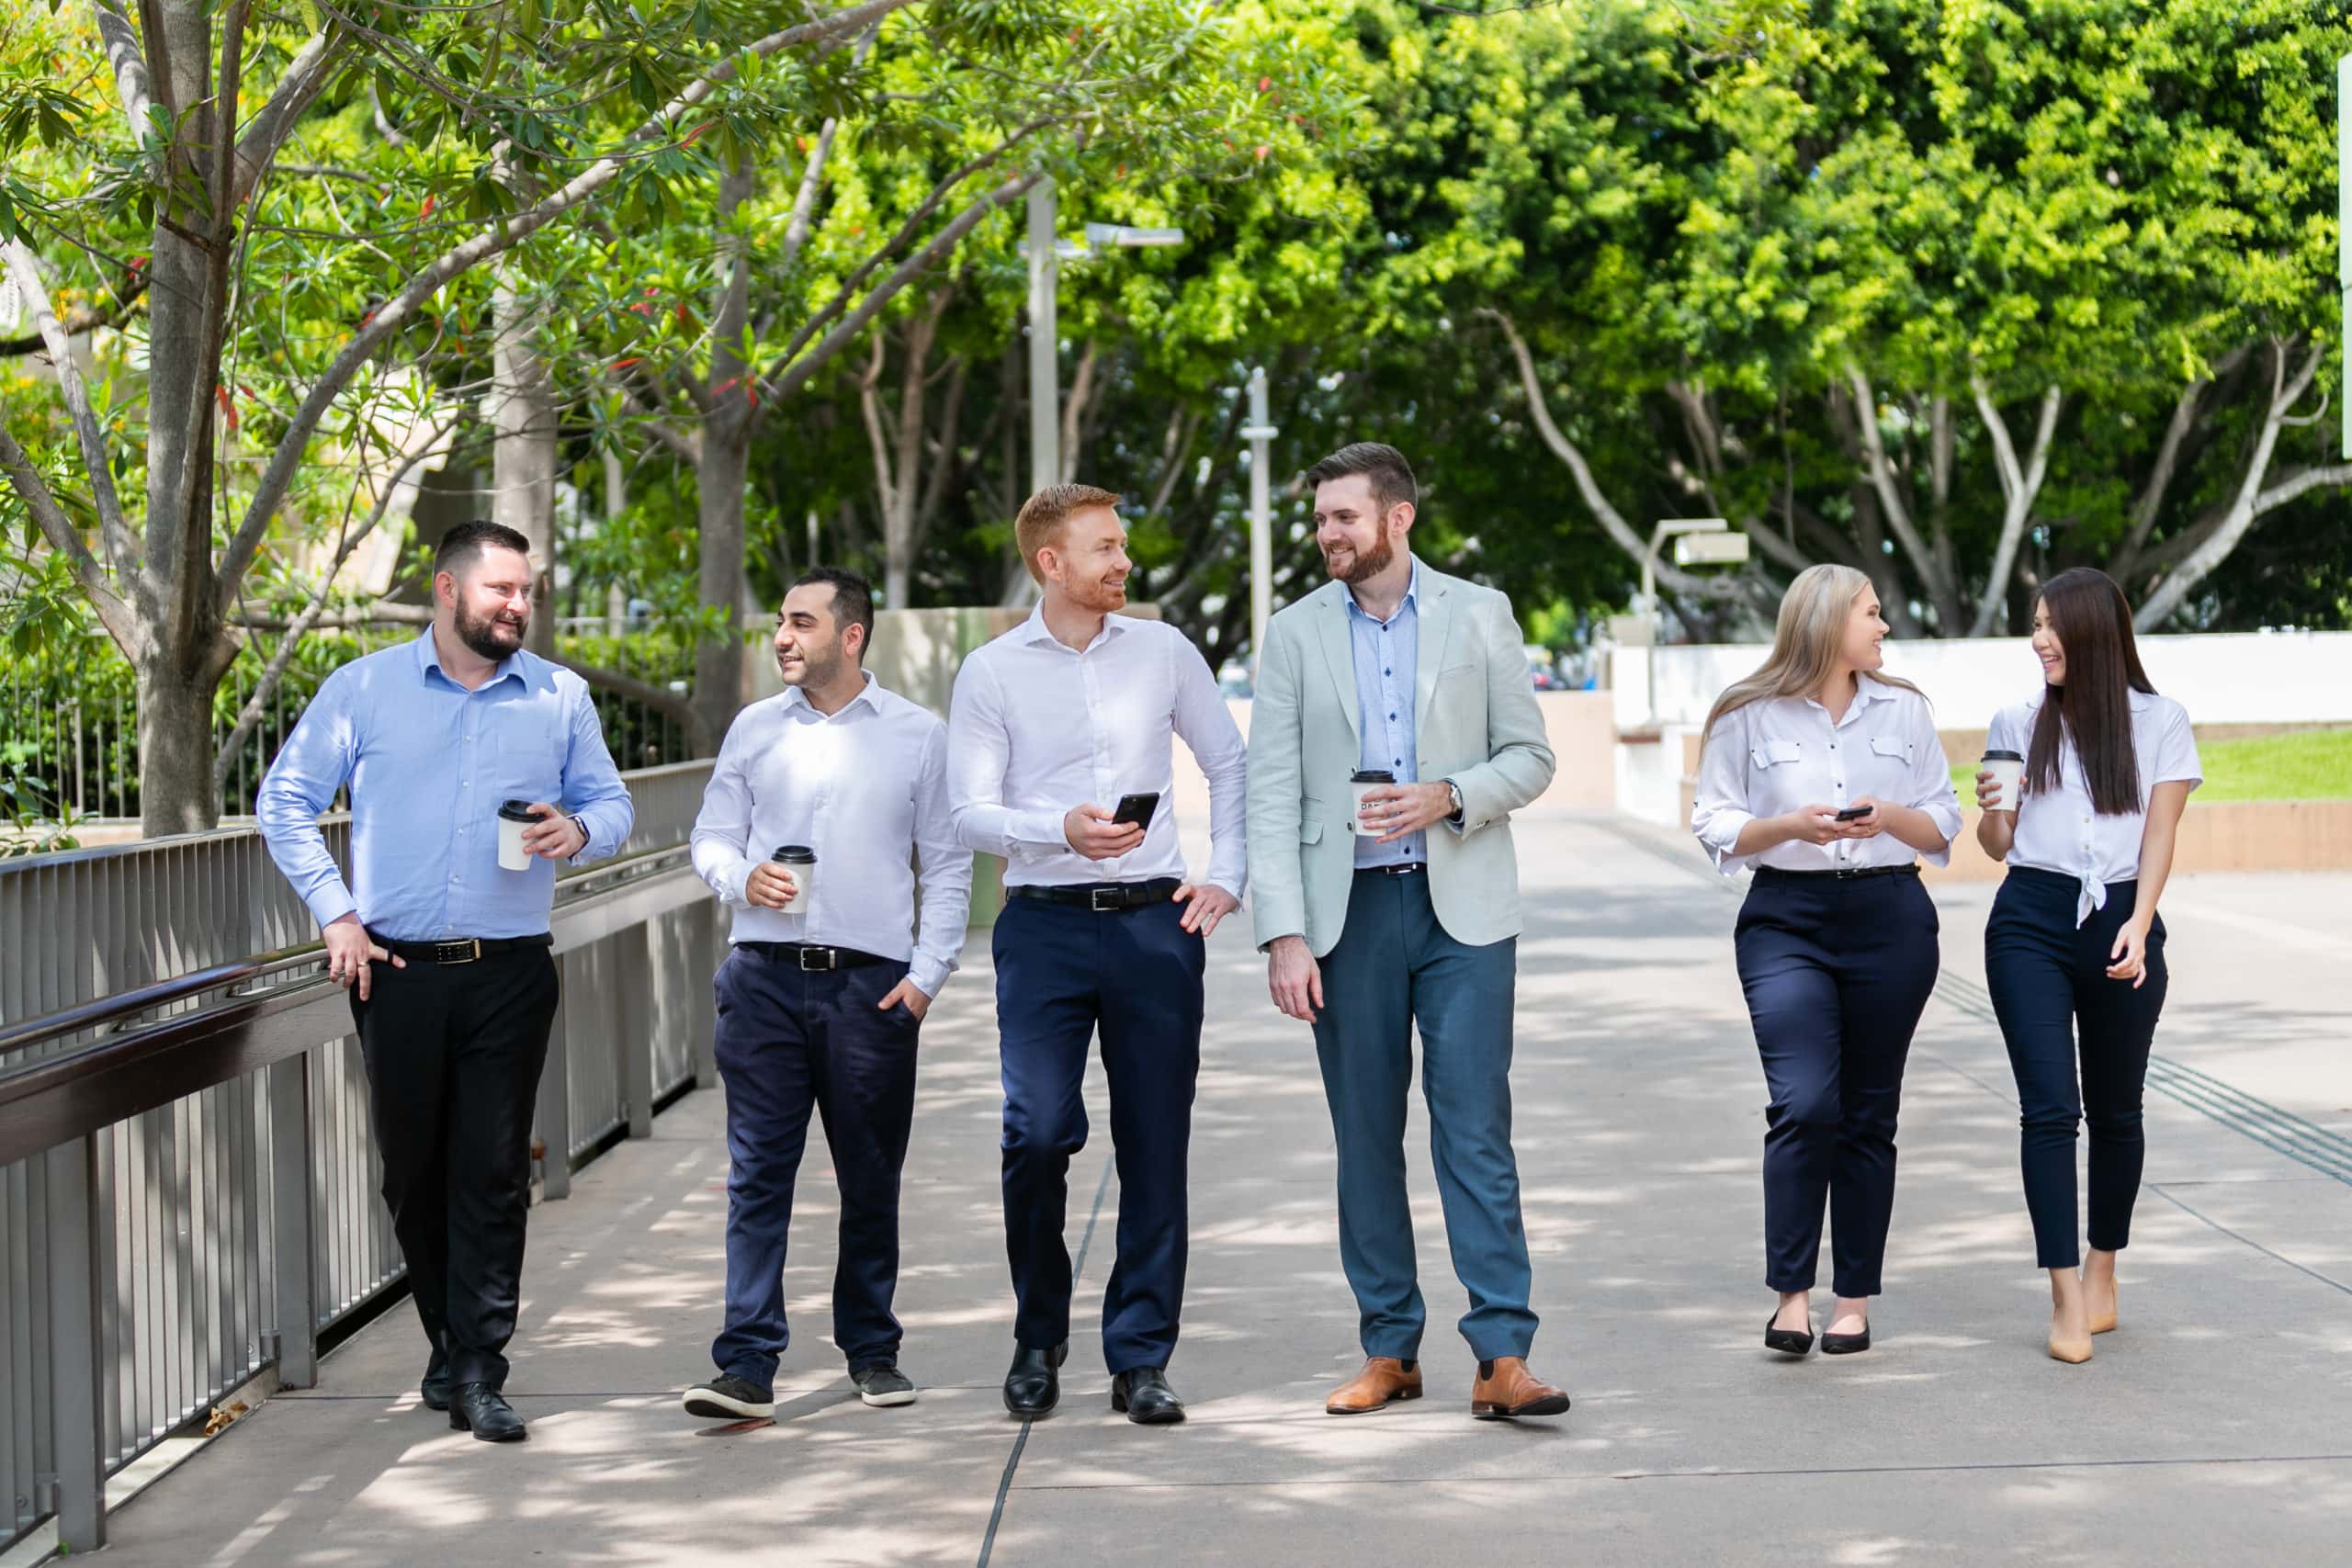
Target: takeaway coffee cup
(801, 861)
(514, 816)
(1363, 782)
(2008, 771)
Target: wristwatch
(583, 837)
(1453, 794)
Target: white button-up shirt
(866, 788)
(1038, 727)
(2061, 831)
(1772, 757)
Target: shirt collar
(1035, 631)
(428, 660)
(1410, 602)
(1866, 692)
(795, 697)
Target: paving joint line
(1021, 1440)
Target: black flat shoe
(1845, 1344)
(1790, 1341)
(1033, 1385)
(1144, 1397)
(480, 1409)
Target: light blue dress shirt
(1387, 658)
(429, 763)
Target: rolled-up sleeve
(316, 761)
(592, 789)
(945, 867)
(1719, 803)
(979, 749)
(1931, 790)
(2177, 758)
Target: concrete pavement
(2211, 1426)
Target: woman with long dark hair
(2075, 950)
(1827, 774)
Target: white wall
(2234, 677)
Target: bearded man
(1393, 732)
(443, 940)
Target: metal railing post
(554, 1117)
(75, 1423)
(633, 1013)
(291, 1204)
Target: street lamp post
(2344, 228)
(1260, 433)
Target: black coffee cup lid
(795, 854)
(1372, 775)
(517, 811)
(2004, 757)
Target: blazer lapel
(1338, 652)
(1436, 612)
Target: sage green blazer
(1474, 721)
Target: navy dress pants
(1837, 971)
(2049, 988)
(1393, 968)
(790, 1042)
(1063, 973)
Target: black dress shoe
(483, 1411)
(1146, 1398)
(1789, 1341)
(1033, 1385)
(436, 1385)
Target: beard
(1102, 596)
(817, 667)
(1364, 564)
(492, 637)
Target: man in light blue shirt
(1387, 658)
(447, 952)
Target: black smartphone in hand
(1135, 810)
(1852, 812)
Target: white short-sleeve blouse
(2060, 830)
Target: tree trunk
(720, 682)
(523, 412)
(175, 792)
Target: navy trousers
(1393, 967)
(1837, 971)
(789, 1042)
(1063, 973)
(2049, 988)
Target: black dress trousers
(454, 1052)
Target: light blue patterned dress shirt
(1387, 658)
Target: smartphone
(1134, 810)
(1851, 812)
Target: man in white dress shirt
(820, 1001)
(1053, 725)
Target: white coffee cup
(514, 817)
(1363, 783)
(2008, 772)
(800, 862)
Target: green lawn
(2313, 765)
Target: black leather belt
(1402, 868)
(1103, 897)
(459, 950)
(1855, 875)
(811, 959)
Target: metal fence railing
(187, 1175)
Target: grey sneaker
(883, 1384)
(729, 1398)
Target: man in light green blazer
(1406, 690)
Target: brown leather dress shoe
(1506, 1389)
(1383, 1381)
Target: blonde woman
(1827, 777)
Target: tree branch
(661, 699)
(114, 531)
(133, 87)
(2019, 487)
(1613, 522)
(1881, 474)
(59, 530)
(306, 76)
(82, 321)
(494, 238)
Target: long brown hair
(1807, 638)
(2093, 621)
